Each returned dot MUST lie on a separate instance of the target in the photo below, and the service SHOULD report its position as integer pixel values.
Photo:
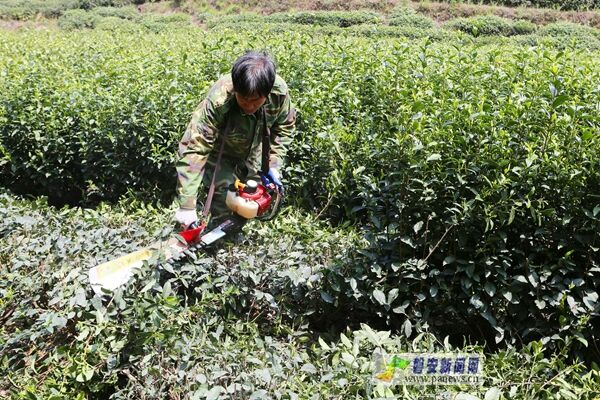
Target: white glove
(186, 217)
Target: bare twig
(326, 206)
(438, 243)
(557, 375)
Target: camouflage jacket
(243, 143)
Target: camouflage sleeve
(194, 148)
(281, 133)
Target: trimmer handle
(267, 182)
(192, 232)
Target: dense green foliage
(568, 31)
(234, 19)
(556, 4)
(564, 35)
(120, 12)
(363, 30)
(406, 22)
(316, 18)
(122, 19)
(491, 25)
(399, 31)
(458, 179)
(406, 16)
(410, 26)
(77, 19)
(483, 203)
(28, 9)
(338, 18)
(241, 321)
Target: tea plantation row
(561, 5)
(237, 322)
(471, 170)
(400, 22)
(30, 9)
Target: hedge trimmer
(247, 201)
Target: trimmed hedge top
(491, 25)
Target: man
(234, 111)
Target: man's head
(253, 76)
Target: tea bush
(491, 238)
(77, 19)
(166, 23)
(524, 27)
(112, 24)
(564, 43)
(339, 18)
(364, 30)
(560, 4)
(90, 4)
(28, 9)
(405, 16)
(229, 323)
(495, 214)
(234, 19)
(564, 34)
(107, 18)
(568, 30)
(151, 330)
(129, 13)
(490, 25)
(400, 31)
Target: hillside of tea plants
(443, 195)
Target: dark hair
(253, 73)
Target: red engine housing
(260, 196)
